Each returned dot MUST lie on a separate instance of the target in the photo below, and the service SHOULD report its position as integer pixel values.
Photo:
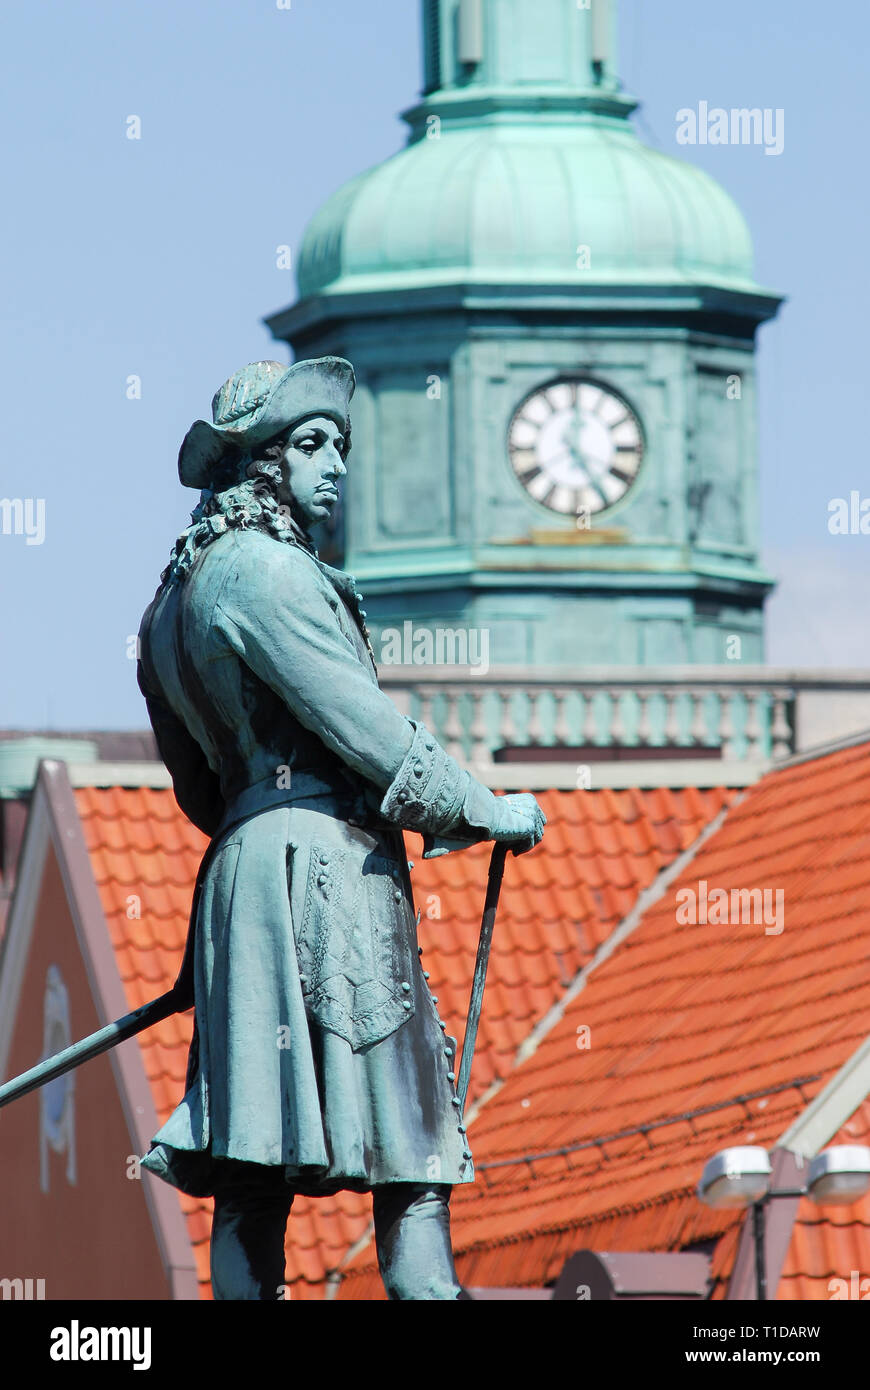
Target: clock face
(575, 447)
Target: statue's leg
(412, 1234)
(247, 1243)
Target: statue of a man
(318, 1060)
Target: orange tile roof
(559, 903)
(685, 1020)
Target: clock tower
(553, 327)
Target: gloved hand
(519, 818)
(515, 819)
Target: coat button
(466, 1153)
(434, 998)
(418, 769)
(451, 1076)
(402, 797)
(406, 1003)
(461, 1128)
(442, 1025)
(398, 895)
(425, 972)
(405, 985)
(321, 879)
(324, 858)
(448, 1052)
(456, 1101)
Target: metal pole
(758, 1225)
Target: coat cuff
(429, 789)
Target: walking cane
(493, 888)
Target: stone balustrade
(736, 714)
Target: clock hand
(564, 453)
(582, 466)
(597, 488)
(571, 437)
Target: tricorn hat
(259, 402)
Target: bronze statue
(318, 1061)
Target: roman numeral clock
(576, 446)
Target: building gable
(80, 1218)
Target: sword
(127, 1027)
(174, 1001)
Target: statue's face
(311, 466)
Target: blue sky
(156, 257)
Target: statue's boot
(247, 1244)
(412, 1234)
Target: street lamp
(740, 1177)
(839, 1176)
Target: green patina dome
(514, 202)
(521, 154)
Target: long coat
(317, 1045)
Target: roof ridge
(828, 1111)
(821, 750)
